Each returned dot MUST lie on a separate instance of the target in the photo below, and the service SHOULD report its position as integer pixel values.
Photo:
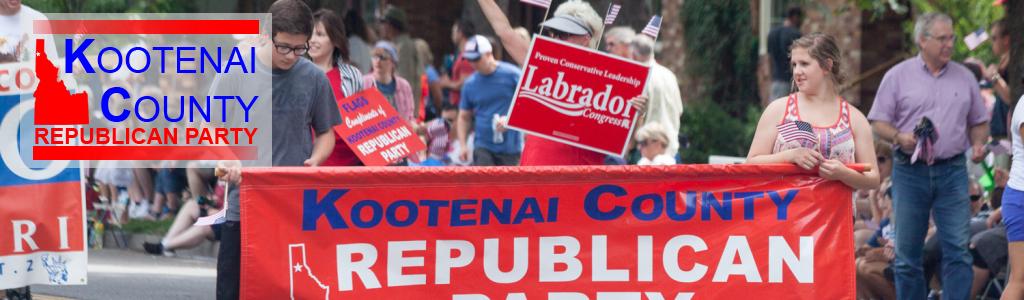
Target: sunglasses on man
(555, 34)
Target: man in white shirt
(664, 103)
(16, 42)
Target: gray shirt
(303, 103)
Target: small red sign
(374, 131)
(577, 96)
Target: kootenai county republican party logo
(152, 88)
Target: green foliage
(722, 52)
(711, 130)
(968, 16)
(722, 58)
(148, 227)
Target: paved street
(122, 274)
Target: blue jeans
(920, 191)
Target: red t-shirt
(342, 154)
(462, 69)
(539, 151)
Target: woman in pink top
(815, 127)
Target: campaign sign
(42, 214)
(374, 131)
(579, 232)
(577, 96)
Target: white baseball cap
(476, 47)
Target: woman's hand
(804, 158)
(833, 170)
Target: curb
(205, 250)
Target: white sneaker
(139, 210)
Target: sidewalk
(128, 274)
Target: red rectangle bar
(146, 27)
(144, 152)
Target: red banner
(374, 131)
(577, 96)
(624, 232)
(42, 211)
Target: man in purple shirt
(930, 85)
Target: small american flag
(613, 11)
(653, 27)
(797, 131)
(975, 39)
(540, 3)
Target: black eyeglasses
(975, 198)
(285, 49)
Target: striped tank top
(833, 142)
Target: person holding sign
(395, 88)
(328, 49)
(815, 127)
(574, 22)
(486, 96)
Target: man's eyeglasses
(381, 57)
(944, 39)
(975, 198)
(285, 49)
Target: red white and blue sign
(42, 219)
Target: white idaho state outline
(291, 272)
